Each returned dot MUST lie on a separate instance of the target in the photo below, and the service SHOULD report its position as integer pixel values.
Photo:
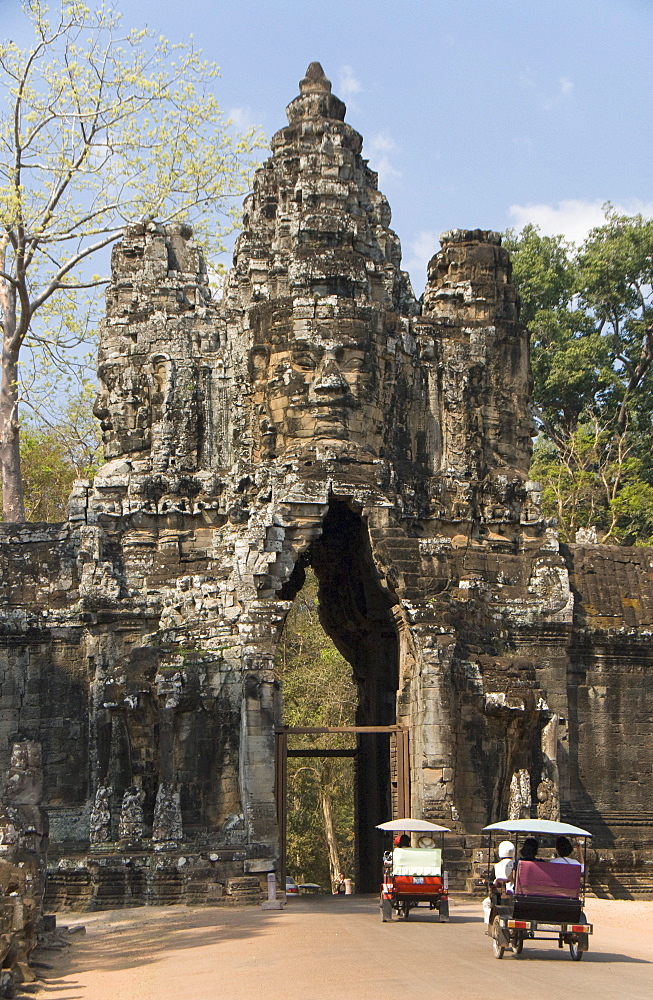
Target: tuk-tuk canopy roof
(408, 825)
(538, 826)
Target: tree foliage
(100, 126)
(55, 454)
(318, 690)
(589, 311)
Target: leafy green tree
(571, 364)
(616, 285)
(99, 126)
(596, 480)
(590, 315)
(318, 690)
(55, 454)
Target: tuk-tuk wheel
(403, 908)
(574, 951)
(444, 911)
(518, 943)
(497, 948)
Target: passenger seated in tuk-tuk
(527, 852)
(504, 866)
(399, 841)
(529, 849)
(503, 869)
(564, 849)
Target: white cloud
(421, 249)
(382, 144)
(385, 170)
(573, 218)
(348, 83)
(565, 87)
(242, 118)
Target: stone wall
(317, 413)
(23, 850)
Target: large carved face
(123, 408)
(307, 392)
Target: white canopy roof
(538, 826)
(408, 825)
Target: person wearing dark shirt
(529, 849)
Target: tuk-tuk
(414, 875)
(545, 897)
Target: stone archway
(356, 613)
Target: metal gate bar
(399, 743)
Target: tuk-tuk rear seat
(547, 891)
(417, 861)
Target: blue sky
(476, 113)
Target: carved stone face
(123, 408)
(308, 392)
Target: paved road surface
(337, 947)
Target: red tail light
(519, 924)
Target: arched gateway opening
(356, 613)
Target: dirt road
(337, 947)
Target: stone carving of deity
(167, 827)
(312, 393)
(131, 815)
(100, 825)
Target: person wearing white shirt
(503, 869)
(504, 866)
(564, 848)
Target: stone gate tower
(316, 414)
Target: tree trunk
(330, 833)
(12, 482)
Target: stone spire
(315, 98)
(315, 81)
(486, 422)
(316, 290)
